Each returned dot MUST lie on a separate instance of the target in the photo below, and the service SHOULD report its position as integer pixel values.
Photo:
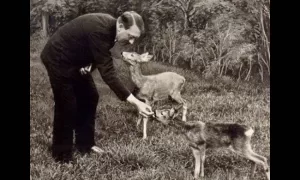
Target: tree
(188, 8)
(220, 37)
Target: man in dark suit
(85, 41)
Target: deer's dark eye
(131, 55)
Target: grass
(165, 154)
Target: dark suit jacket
(84, 40)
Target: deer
(156, 87)
(202, 136)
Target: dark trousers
(76, 100)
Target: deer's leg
(265, 162)
(256, 160)
(184, 112)
(145, 121)
(184, 103)
(177, 97)
(247, 152)
(197, 156)
(140, 117)
(253, 168)
(139, 121)
(262, 161)
(202, 159)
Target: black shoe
(89, 149)
(84, 149)
(62, 155)
(63, 158)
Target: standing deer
(202, 136)
(153, 88)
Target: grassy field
(165, 154)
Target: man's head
(130, 26)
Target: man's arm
(104, 62)
(105, 65)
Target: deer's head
(165, 115)
(134, 58)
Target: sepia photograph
(149, 89)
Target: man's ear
(121, 25)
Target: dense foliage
(217, 38)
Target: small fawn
(202, 136)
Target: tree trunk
(45, 23)
(192, 58)
(175, 59)
(249, 72)
(174, 45)
(185, 25)
(240, 70)
(162, 55)
(145, 48)
(264, 33)
(153, 53)
(170, 50)
(261, 72)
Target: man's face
(132, 31)
(128, 36)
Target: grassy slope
(165, 154)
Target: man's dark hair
(127, 20)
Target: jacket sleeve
(104, 62)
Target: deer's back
(223, 135)
(170, 76)
(160, 86)
(165, 81)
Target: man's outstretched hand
(144, 109)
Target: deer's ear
(146, 57)
(171, 112)
(177, 108)
(144, 54)
(149, 57)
